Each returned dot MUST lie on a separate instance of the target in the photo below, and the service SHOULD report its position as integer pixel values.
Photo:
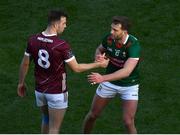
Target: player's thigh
(40, 99)
(57, 104)
(104, 93)
(129, 96)
(57, 101)
(129, 108)
(99, 104)
(56, 117)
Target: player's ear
(55, 25)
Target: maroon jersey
(49, 54)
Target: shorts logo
(100, 87)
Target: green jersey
(118, 55)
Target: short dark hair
(123, 20)
(55, 15)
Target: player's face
(116, 31)
(61, 25)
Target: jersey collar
(48, 35)
(126, 39)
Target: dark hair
(55, 15)
(123, 20)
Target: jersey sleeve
(106, 40)
(67, 53)
(27, 51)
(134, 50)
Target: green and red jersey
(118, 55)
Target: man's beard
(116, 38)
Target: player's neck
(50, 31)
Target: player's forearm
(120, 74)
(85, 67)
(23, 69)
(22, 73)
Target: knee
(93, 115)
(128, 121)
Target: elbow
(127, 74)
(24, 65)
(77, 69)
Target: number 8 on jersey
(43, 59)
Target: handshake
(102, 60)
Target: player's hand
(104, 63)
(100, 57)
(102, 60)
(95, 78)
(21, 90)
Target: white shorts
(57, 101)
(109, 90)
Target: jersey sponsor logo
(109, 49)
(45, 40)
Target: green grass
(156, 25)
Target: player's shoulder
(133, 40)
(107, 36)
(63, 42)
(33, 36)
(107, 39)
(60, 40)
